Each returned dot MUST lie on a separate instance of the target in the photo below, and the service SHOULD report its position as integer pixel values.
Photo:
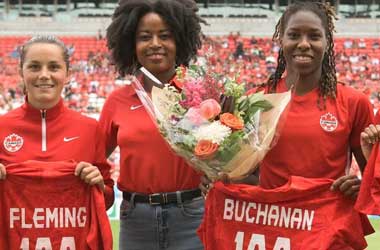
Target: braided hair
(328, 80)
(181, 17)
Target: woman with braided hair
(325, 118)
(322, 124)
(321, 130)
(162, 206)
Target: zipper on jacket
(43, 130)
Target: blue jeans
(165, 227)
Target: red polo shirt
(147, 164)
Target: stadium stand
(251, 59)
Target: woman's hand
(206, 183)
(3, 172)
(369, 137)
(89, 174)
(349, 185)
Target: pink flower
(209, 109)
(194, 116)
(196, 90)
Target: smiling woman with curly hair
(179, 16)
(162, 206)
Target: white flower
(215, 132)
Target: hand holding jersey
(89, 174)
(348, 185)
(205, 185)
(369, 137)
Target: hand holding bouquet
(212, 123)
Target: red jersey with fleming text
(313, 142)
(147, 164)
(302, 214)
(44, 206)
(56, 134)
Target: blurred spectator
(251, 58)
(253, 40)
(362, 44)
(15, 52)
(347, 44)
(239, 51)
(70, 49)
(99, 35)
(376, 45)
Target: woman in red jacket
(43, 128)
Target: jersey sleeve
(368, 201)
(108, 126)
(104, 167)
(100, 235)
(362, 118)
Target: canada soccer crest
(13, 142)
(328, 122)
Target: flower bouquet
(197, 125)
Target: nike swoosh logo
(67, 139)
(134, 107)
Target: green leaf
(263, 104)
(242, 103)
(230, 147)
(256, 97)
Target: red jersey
(147, 164)
(368, 200)
(316, 143)
(56, 134)
(302, 214)
(44, 206)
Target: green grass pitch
(373, 240)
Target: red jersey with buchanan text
(302, 214)
(44, 206)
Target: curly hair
(181, 17)
(328, 80)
